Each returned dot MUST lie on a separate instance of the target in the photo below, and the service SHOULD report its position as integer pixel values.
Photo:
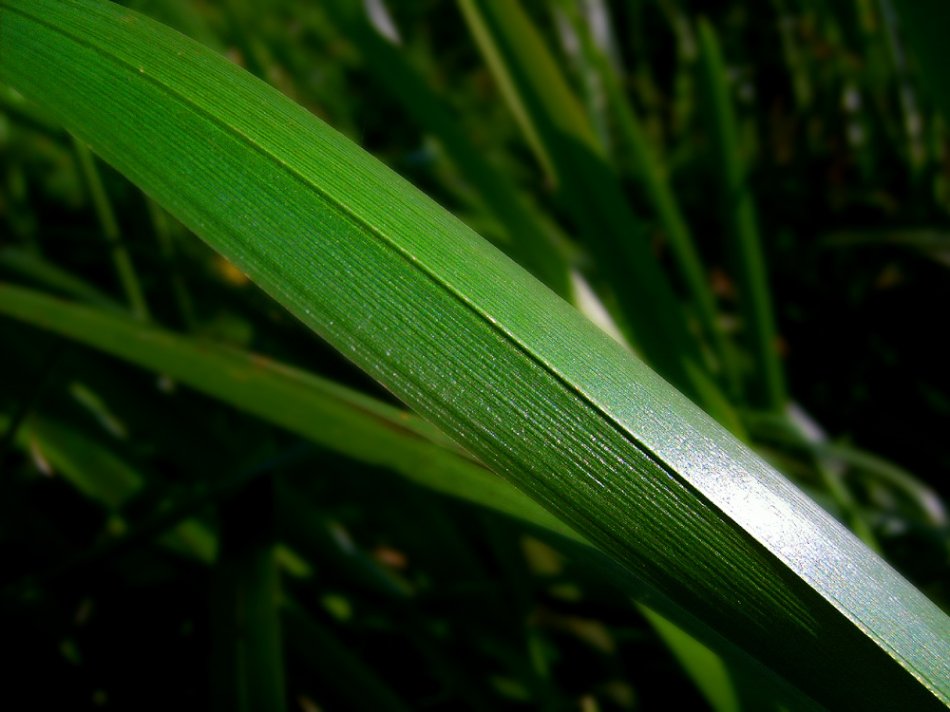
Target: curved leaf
(478, 346)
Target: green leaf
(337, 418)
(475, 344)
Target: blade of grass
(121, 258)
(924, 498)
(913, 123)
(167, 233)
(832, 475)
(796, 60)
(478, 346)
(330, 415)
(704, 666)
(569, 28)
(94, 471)
(532, 83)
(738, 209)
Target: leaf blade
(474, 343)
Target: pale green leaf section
(335, 417)
(476, 345)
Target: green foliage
(269, 496)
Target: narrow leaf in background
(766, 380)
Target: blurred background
(126, 497)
